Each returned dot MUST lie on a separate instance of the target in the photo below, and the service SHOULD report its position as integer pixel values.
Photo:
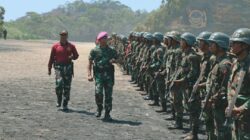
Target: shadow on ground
(116, 121)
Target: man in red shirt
(62, 54)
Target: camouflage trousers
(222, 132)
(243, 126)
(176, 96)
(161, 89)
(104, 82)
(195, 109)
(209, 123)
(63, 82)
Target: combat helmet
(149, 37)
(204, 36)
(221, 39)
(175, 35)
(158, 36)
(241, 35)
(189, 38)
(114, 34)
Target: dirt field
(28, 102)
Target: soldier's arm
(90, 65)
(225, 72)
(75, 53)
(51, 59)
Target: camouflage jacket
(244, 94)
(207, 62)
(101, 58)
(218, 77)
(190, 66)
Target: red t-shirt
(62, 54)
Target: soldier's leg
(178, 106)
(243, 126)
(161, 90)
(66, 86)
(59, 85)
(99, 97)
(155, 94)
(149, 87)
(171, 100)
(222, 132)
(108, 87)
(195, 108)
(209, 123)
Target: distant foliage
(82, 20)
(198, 15)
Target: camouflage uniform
(189, 71)
(217, 86)
(103, 75)
(243, 99)
(61, 58)
(172, 63)
(195, 99)
(155, 65)
(145, 62)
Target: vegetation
(82, 20)
(213, 15)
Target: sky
(18, 8)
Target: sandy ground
(27, 101)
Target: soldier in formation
(201, 76)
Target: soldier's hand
(237, 111)
(90, 78)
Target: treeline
(198, 15)
(82, 20)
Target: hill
(82, 20)
(198, 15)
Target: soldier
(154, 67)
(216, 85)
(241, 110)
(135, 50)
(113, 41)
(145, 63)
(62, 54)
(186, 75)
(172, 63)
(162, 75)
(102, 58)
(199, 87)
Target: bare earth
(27, 101)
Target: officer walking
(101, 59)
(62, 54)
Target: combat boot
(59, 100)
(107, 116)
(65, 105)
(191, 136)
(156, 101)
(99, 111)
(164, 108)
(178, 124)
(99, 102)
(148, 98)
(154, 104)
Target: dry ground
(27, 101)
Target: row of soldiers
(207, 76)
